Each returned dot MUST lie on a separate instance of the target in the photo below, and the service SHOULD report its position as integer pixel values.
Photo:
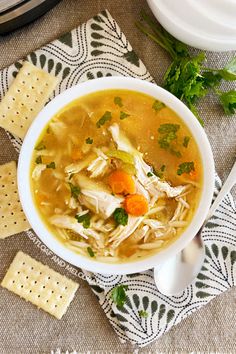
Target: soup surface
(116, 175)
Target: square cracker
(12, 217)
(25, 98)
(42, 286)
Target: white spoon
(173, 276)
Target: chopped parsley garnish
(185, 167)
(38, 160)
(105, 118)
(89, 140)
(90, 252)
(120, 216)
(186, 141)
(75, 190)
(118, 295)
(123, 115)
(118, 101)
(143, 313)
(84, 219)
(163, 167)
(51, 165)
(167, 136)
(149, 174)
(168, 128)
(157, 105)
(40, 146)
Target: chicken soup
(116, 176)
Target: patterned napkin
(95, 49)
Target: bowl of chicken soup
(116, 175)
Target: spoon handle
(229, 183)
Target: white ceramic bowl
(41, 121)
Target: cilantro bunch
(186, 76)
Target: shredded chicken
(68, 222)
(37, 171)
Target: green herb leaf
(186, 141)
(157, 105)
(90, 252)
(75, 190)
(168, 128)
(84, 219)
(149, 174)
(163, 167)
(89, 141)
(105, 118)
(124, 115)
(185, 167)
(229, 71)
(51, 165)
(71, 175)
(211, 79)
(119, 296)
(143, 314)
(118, 101)
(40, 146)
(120, 216)
(228, 101)
(38, 159)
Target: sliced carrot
(76, 154)
(121, 182)
(136, 205)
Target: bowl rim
(42, 119)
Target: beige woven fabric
(85, 327)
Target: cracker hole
(8, 107)
(32, 268)
(31, 109)
(3, 115)
(18, 272)
(57, 282)
(22, 286)
(18, 90)
(26, 277)
(55, 306)
(37, 79)
(35, 282)
(13, 281)
(30, 291)
(44, 286)
(46, 300)
(27, 96)
(22, 104)
(21, 126)
(6, 195)
(28, 74)
(12, 213)
(17, 113)
(13, 99)
(23, 263)
(46, 84)
(23, 82)
(12, 121)
(38, 295)
(49, 278)
(3, 216)
(32, 87)
(36, 101)
(60, 296)
(3, 185)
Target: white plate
(204, 24)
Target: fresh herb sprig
(119, 296)
(186, 77)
